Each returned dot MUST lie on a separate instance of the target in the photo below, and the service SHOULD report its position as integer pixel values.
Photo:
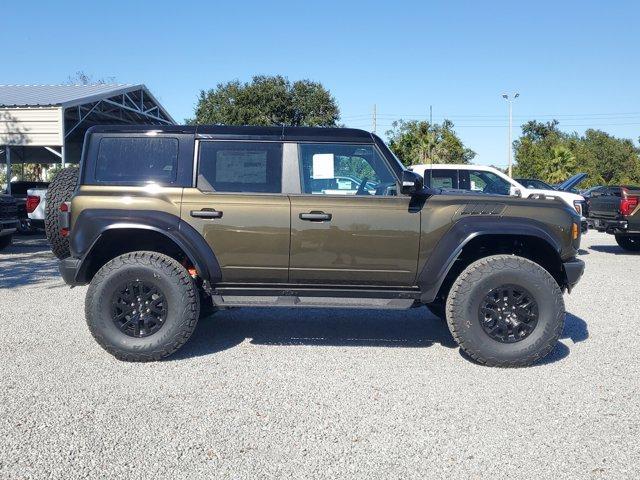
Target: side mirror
(411, 183)
(516, 192)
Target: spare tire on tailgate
(60, 190)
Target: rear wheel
(629, 242)
(60, 190)
(142, 306)
(505, 311)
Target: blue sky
(575, 60)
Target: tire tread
(60, 190)
(190, 300)
(473, 274)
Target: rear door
(239, 207)
(349, 225)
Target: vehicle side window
(344, 169)
(441, 178)
(486, 182)
(137, 160)
(252, 167)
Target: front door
(240, 210)
(350, 226)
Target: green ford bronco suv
(165, 223)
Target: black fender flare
(445, 253)
(92, 224)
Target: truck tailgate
(604, 206)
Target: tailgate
(604, 206)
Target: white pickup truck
(483, 179)
(36, 206)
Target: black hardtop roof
(246, 132)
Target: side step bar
(312, 302)
(314, 297)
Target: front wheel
(628, 242)
(142, 306)
(505, 311)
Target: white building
(46, 123)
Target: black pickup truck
(8, 219)
(616, 210)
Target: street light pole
(509, 146)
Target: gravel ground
(285, 393)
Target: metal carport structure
(46, 123)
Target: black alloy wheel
(139, 309)
(508, 313)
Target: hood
(572, 182)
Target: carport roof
(59, 95)
(25, 96)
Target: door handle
(206, 213)
(316, 217)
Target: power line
(481, 117)
(506, 125)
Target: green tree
(415, 142)
(545, 152)
(267, 100)
(613, 160)
(560, 166)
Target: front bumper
(573, 270)
(69, 270)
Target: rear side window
(137, 160)
(483, 182)
(441, 178)
(252, 167)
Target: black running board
(312, 302)
(314, 297)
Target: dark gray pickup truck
(616, 210)
(8, 219)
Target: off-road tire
(60, 190)
(6, 241)
(629, 243)
(471, 287)
(179, 289)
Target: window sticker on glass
(323, 166)
(250, 166)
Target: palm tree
(560, 165)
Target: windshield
(533, 183)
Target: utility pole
(374, 119)
(431, 143)
(509, 146)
